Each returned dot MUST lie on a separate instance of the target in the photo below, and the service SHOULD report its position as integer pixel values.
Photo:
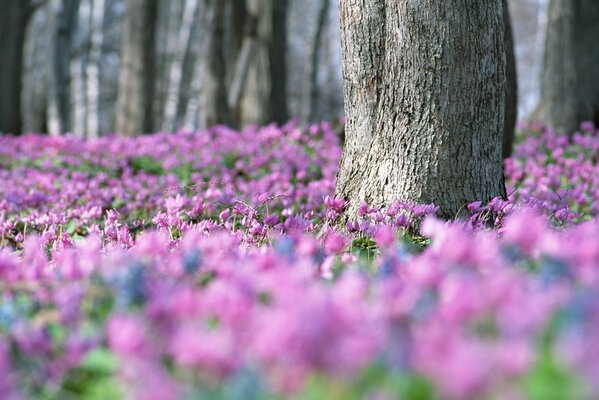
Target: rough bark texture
(425, 99)
(511, 109)
(13, 23)
(570, 77)
(136, 91)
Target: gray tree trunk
(136, 88)
(65, 24)
(173, 93)
(93, 110)
(278, 109)
(511, 109)
(570, 77)
(214, 108)
(13, 23)
(425, 102)
(36, 70)
(316, 50)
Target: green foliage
(147, 164)
(549, 379)
(94, 378)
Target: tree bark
(316, 50)
(570, 77)
(65, 24)
(173, 93)
(511, 109)
(13, 23)
(34, 88)
(425, 102)
(279, 111)
(215, 109)
(136, 89)
(93, 109)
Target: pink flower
(126, 335)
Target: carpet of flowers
(218, 265)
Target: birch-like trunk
(570, 77)
(79, 61)
(425, 102)
(92, 72)
(170, 119)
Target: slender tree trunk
(136, 90)
(13, 23)
(79, 61)
(214, 91)
(279, 111)
(93, 70)
(316, 50)
(570, 77)
(36, 70)
(188, 65)
(65, 25)
(511, 109)
(176, 68)
(425, 102)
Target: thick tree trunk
(570, 77)
(511, 109)
(13, 23)
(136, 89)
(425, 102)
(316, 50)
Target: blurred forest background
(99, 66)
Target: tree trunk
(511, 106)
(173, 92)
(93, 126)
(316, 50)
(13, 23)
(570, 77)
(136, 89)
(425, 102)
(279, 112)
(65, 25)
(36, 69)
(214, 91)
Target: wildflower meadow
(220, 265)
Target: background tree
(570, 77)
(424, 99)
(13, 23)
(511, 107)
(136, 89)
